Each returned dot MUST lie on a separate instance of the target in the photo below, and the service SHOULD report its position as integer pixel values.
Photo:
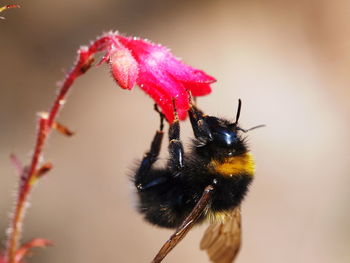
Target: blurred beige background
(287, 60)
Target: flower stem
(30, 175)
(27, 181)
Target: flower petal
(198, 89)
(165, 77)
(163, 89)
(186, 73)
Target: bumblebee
(207, 183)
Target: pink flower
(156, 71)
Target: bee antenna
(238, 111)
(253, 128)
(257, 126)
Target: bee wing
(222, 240)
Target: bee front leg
(141, 180)
(200, 128)
(176, 152)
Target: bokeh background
(287, 60)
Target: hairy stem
(30, 174)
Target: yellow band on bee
(235, 165)
(217, 217)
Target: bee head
(225, 137)
(221, 137)
(217, 136)
(224, 134)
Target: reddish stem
(8, 7)
(3, 8)
(46, 121)
(27, 180)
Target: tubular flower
(156, 71)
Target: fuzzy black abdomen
(168, 203)
(165, 204)
(229, 192)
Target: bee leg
(175, 148)
(149, 158)
(186, 225)
(200, 128)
